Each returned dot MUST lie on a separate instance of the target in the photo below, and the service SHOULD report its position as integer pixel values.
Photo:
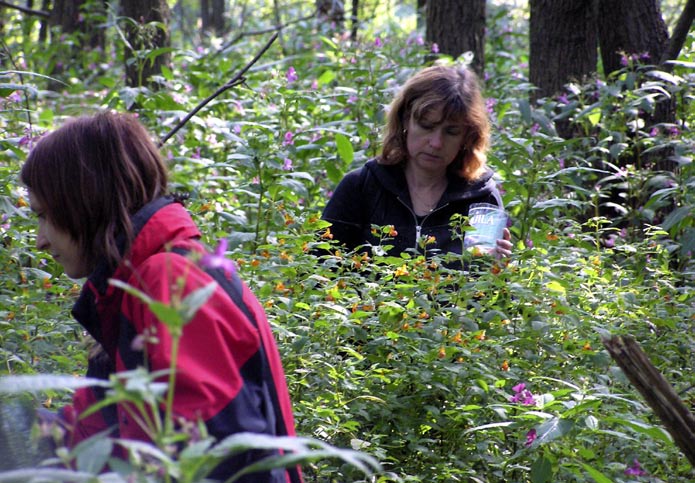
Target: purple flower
(490, 104)
(673, 131)
(635, 469)
(287, 164)
(654, 132)
(435, 48)
(623, 60)
(291, 75)
(289, 138)
(561, 162)
(531, 437)
(522, 395)
(15, 97)
(562, 99)
(217, 259)
(352, 99)
(535, 128)
(377, 42)
(315, 84)
(529, 243)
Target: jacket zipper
(418, 227)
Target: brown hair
(457, 91)
(91, 175)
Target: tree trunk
(144, 36)
(562, 44)
(458, 26)
(331, 11)
(205, 15)
(218, 17)
(355, 19)
(642, 32)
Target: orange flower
(22, 203)
(305, 247)
(47, 283)
(457, 339)
(255, 262)
(284, 255)
(405, 326)
(392, 231)
(402, 271)
(423, 315)
(280, 287)
(288, 219)
(442, 353)
(587, 346)
(505, 365)
(327, 235)
(495, 269)
(551, 237)
(480, 335)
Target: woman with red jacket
(98, 186)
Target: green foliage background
(400, 358)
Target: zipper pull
(418, 230)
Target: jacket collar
(392, 178)
(157, 224)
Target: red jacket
(228, 372)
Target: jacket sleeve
(345, 210)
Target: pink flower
(315, 84)
(635, 469)
(522, 395)
(289, 138)
(291, 75)
(435, 48)
(15, 97)
(531, 437)
(287, 165)
(377, 42)
(217, 259)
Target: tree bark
(630, 27)
(205, 15)
(562, 44)
(218, 17)
(458, 26)
(656, 390)
(144, 36)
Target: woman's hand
(504, 245)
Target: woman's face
(433, 142)
(63, 248)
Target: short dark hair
(457, 91)
(91, 175)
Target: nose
(436, 139)
(42, 242)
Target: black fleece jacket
(377, 194)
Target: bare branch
(275, 28)
(30, 11)
(680, 32)
(236, 80)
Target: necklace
(427, 202)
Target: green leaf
(345, 150)
(553, 429)
(596, 474)
(196, 299)
(541, 470)
(44, 382)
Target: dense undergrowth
(494, 374)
